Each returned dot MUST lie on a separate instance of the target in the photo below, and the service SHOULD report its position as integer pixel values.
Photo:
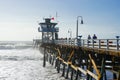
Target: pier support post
(91, 69)
(50, 58)
(47, 57)
(53, 59)
(63, 72)
(71, 74)
(56, 62)
(103, 72)
(77, 73)
(44, 58)
(119, 75)
(114, 74)
(89, 66)
(58, 66)
(67, 71)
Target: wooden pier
(75, 59)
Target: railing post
(83, 43)
(93, 43)
(66, 41)
(72, 42)
(69, 41)
(99, 43)
(107, 44)
(117, 44)
(44, 58)
(88, 42)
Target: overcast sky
(19, 18)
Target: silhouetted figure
(89, 37)
(94, 36)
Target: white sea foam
(15, 44)
(25, 64)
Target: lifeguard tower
(49, 31)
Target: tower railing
(44, 29)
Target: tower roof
(48, 22)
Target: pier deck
(89, 59)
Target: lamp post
(77, 26)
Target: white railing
(107, 44)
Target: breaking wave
(15, 44)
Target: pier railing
(108, 44)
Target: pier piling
(75, 61)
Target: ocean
(15, 44)
(20, 61)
